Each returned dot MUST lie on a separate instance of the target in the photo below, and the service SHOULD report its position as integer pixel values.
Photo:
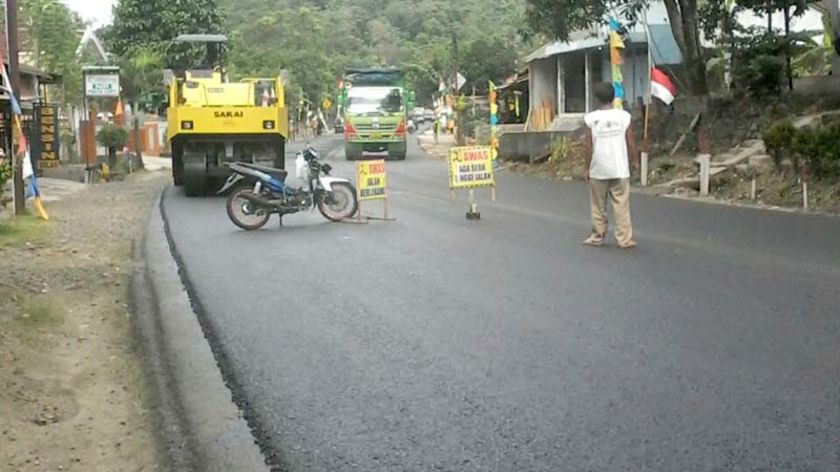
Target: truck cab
(376, 105)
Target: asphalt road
(436, 343)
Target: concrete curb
(657, 191)
(202, 428)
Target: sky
(98, 11)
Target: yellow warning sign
(370, 179)
(326, 104)
(471, 167)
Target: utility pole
(14, 77)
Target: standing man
(609, 148)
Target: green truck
(374, 106)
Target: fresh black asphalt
(436, 343)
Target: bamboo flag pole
(645, 137)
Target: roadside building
(562, 74)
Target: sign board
(460, 80)
(326, 104)
(471, 167)
(102, 85)
(370, 180)
(45, 146)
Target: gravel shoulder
(73, 391)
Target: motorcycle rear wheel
(244, 213)
(340, 204)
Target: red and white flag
(661, 86)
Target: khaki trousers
(618, 191)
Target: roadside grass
(20, 231)
(39, 312)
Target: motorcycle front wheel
(244, 213)
(340, 203)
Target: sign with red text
(370, 179)
(471, 167)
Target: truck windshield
(374, 100)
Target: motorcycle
(257, 192)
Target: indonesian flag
(661, 86)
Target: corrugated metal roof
(664, 49)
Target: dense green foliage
(149, 26)
(112, 136)
(817, 146)
(314, 40)
(142, 34)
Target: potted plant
(113, 137)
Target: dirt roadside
(73, 395)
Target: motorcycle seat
(272, 171)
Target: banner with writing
(371, 179)
(471, 167)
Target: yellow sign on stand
(471, 167)
(371, 179)
(371, 184)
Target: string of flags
(22, 152)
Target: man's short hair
(604, 92)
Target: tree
(316, 39)
(721, 14)
(52, 33)
(142, 26)
(112, 137)
(790, 8)
(141, 74)
(559, 18)
(486, 59)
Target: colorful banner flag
(22, 152)
(494, 121)
(615, 40)
(616, 73)
(616, 44)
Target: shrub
(821, 146)
(778, 139)
(5, 173)
(561, 149)
(112, 136)
(765, 76)
(817, 146)
(759, 66)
